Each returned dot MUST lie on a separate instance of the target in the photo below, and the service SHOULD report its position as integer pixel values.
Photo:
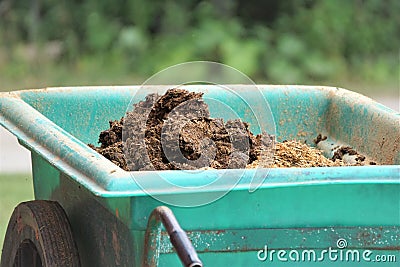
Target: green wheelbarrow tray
(297, 217)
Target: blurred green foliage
(292, 41)
(14, 189)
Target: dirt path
(13, 157)
(391, 102)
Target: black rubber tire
(39, 234)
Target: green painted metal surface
(109, 211)
(325, 246)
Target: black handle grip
(177, 236)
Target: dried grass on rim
(296, 154)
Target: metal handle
(177, 236)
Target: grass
(90, 71)
(21, 76)
(14, 188)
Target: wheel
(39, 234)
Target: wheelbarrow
(89, 212)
